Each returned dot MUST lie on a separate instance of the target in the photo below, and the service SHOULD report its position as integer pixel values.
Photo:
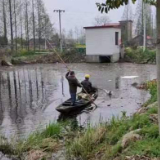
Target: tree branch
(115, 4)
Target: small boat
(66, 107)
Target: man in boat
(87, 85)
(73, 84)
(86, 88)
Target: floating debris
(129, 77)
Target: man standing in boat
(73, 84)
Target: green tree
(113, 4)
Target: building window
(116, 38)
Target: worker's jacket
(73, 83)
(87, 86)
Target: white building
(103, 43)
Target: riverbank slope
(127, 138)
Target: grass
(138, 56)
(152, 87)
(148, 146)
(108, 146)
(87, 145)
(52, 130)
(82, 146)
(46, 141)
(26, 53)
(99, 142)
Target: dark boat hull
(66, 108)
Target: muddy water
(29, 94)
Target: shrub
(140, 56)
(24, 52)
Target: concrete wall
(92, 58)
(126, 30)
(122, 51)
(96, 58)
(101, 41)
(115, 57)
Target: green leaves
(115, 4)
(111, 4)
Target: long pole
(60, 28)
(90, 97)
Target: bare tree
(76, 30)
(39, 21)
(25, 19)
(15, 23)
(70, 34)
(82, 37)
(21, 22)
(27, 25)
(33, 21)
(11, 23)
(4, 22)
(47, 27)
(101, 20)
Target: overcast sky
(79, 13)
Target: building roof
(149, 37)
(141, 36)
(125, 21)
(111, 25)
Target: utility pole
(60, 28)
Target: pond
(29, 94)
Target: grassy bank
(43, 56)
(129, 138)
(123, 137)
(138, 56)
(39, 144)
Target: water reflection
(117, 82)
(22, 92)
(30, 94)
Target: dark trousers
(73, 98)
